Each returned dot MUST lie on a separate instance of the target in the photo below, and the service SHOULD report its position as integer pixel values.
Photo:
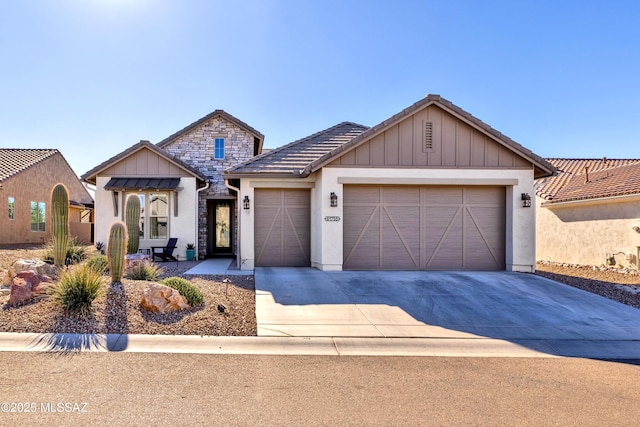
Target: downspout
(197, 217)
(238, 239)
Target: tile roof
(293, 158)
(582, 179)
(542, 167)
(16, 160)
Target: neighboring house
(430, 188)
(180, 184)
(589, 213)
(27, 177)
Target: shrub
(77, 288)
(99, 263)
(75, 253)
(185, 288)
(143, 271)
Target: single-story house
(432, 187)
(589, 213)
(27, 177)
(182, 191)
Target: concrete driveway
(502, 305)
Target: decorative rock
(133, 260)
(8, 277)
(20, 291)
(36, 265)
(28, 284)
(162, 299)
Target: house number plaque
(332, 218)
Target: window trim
(146, 215)
(11, 201)
(218, 152)
(40, 227)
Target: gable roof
(91, 175)
(301, 159)
(16, 160)
(293, 158)
(226, 116)
(585, 179)
(542, 167)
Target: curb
(318, 346)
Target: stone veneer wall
(196, 148)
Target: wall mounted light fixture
(246, 204)
(334, 199)
(526, 200)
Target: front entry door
(221, 227)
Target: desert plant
(116, 246)
(77, 288)
(99, 263)
(75, 253)
(144, 271)
(185, 288)
(100, 247)
(132, 219)
(191, 246)
(59, 223)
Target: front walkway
(219, 266)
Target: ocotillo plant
(132, 217)
(59, 223)
(115, 250)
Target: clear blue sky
(93, 77)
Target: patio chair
(165, 252)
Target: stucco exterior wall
(583, 233)
(35, 184)
(327, 236)
(196, 148)
(181, 226)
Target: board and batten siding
(452, 143)
(145, 163)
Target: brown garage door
(424, 228)
(282, 228)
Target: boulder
(159, 298)
(133, 260)
(21, 291)
(36, 265)
(28, 284)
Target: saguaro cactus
(60, 223)
(132, 217)
(116, 249)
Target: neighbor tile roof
(293, 158)
(603, 178)
(16, 160)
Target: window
(38, 217)
(12, 207)
(154, 215)
(218, 152)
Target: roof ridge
(205, 119)
(292, 144)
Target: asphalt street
(196, 389)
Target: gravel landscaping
(229, 301)
(228, 308)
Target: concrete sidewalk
(318, 346)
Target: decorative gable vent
(428, 137)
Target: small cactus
(59, 223)
(132, 217)
(116, 246)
